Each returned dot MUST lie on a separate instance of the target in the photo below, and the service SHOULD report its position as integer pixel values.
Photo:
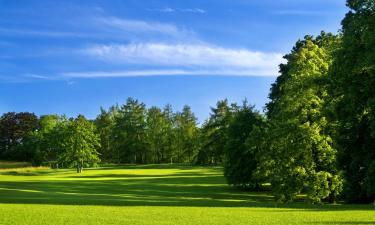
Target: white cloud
(139, 25)
(193, 10)
(173, 10)
(163, 72)
(164, 10)
(203, 56)
(108, 28)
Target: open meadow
(152, 194)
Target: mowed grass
(152, 194)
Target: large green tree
(78, 142)
(353, 82)
(300, 156)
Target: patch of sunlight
(191, 185)
(97, 194)
(233, 200)
(21, 190)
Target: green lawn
(154, 194)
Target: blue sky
(71, 57)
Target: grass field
(153, 194)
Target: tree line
(128, 133)
(317, 136)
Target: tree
(186, 135)
(129, 132)
(353, 82)
(78, 143)
(169, 138)
(156, 131)
(214, 134)
(105, 122)
(301, 157)
(14, 128)
(41, 143)
(240, 160)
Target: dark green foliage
(134, 134)
(105, 122)
(129, 133)
(214, 135)
(14, 128)
(353, 82)
(168, 134)
(240, 159)
(78, 143)
(158, 130)
(47, 141)
(62, 142)
(186, 135)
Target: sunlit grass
(152, 194)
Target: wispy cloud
(158, 59)
(105, 28)
(41, 77)
(173, 10)
(139, 25)
(161, 72)
(193, 10)
(164, 10)
(148, 73)
(177, 52)
(185, 55)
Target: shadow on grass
(183, 187)
(154, 166)
(136, 176)
(11, 165)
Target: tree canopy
(353, 82)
